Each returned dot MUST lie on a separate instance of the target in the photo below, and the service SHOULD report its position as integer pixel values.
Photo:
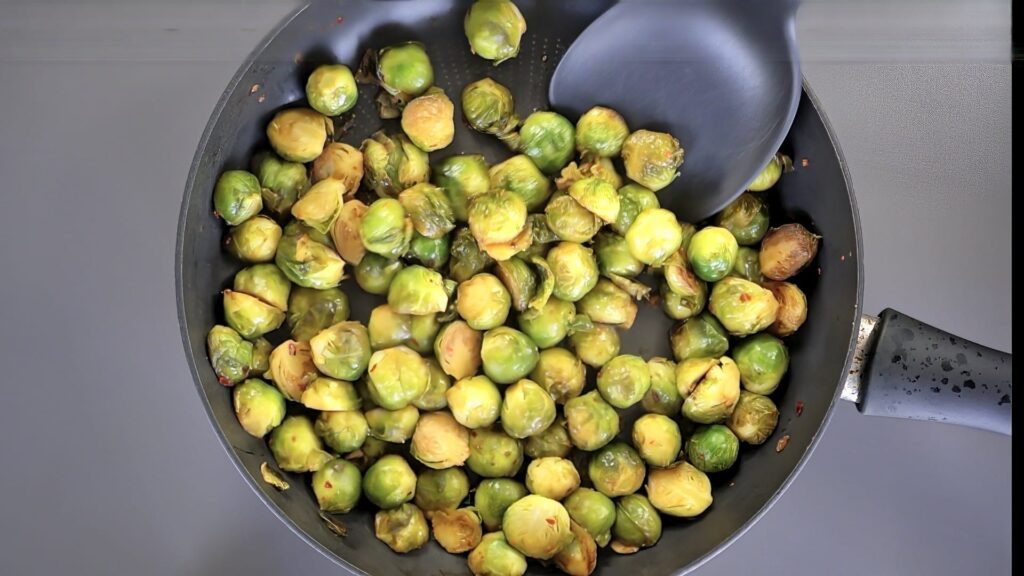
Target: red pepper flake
(339, 19)
(298, 58)
(805, 162)
(291, 349)
(799, 407)
(255, 88)
(550, 521)
(223, 380)
(781, 445)
(744, 297)
(328, 485)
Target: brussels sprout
(652, 159)
(657, 439)
(282, 182)
(518, 279)
(545, 282)
(417, 290)
(330, 394)
(715, 395)
(762, 361)
(592, 422)
(663, 396)
(441, 489)
(550, 324)
(597, 196)
(230, 355)
(483, 302)
(497, 216)
(552, 477)
(569, 220)
(521, 176)
(493, 453)
(747, 265)
(494, 496)
(771, 173)
(494, 29)
(306, 261)
(746, 218)
(683, 306)
(596, 345)
(457, 348)
(637, 524)
(527, 409)
(265, 282)
(404, 69)
(553, 441)
(331, 89)
(699, 337)
(428, 120)
(342, 162)
(613, 256)
(296, 447)
(475, 402)
(342, 432)
(395, 426)
(679, 490)
(388, 328)
(616, 470)
(712, 253)
(507, 354)
(490, 108)
(560, 373)
(337, 486)
(742, 307)
(654, 236)
(341, 350)
(624, 380)
(375, 273)
(601, 132)
(432, 253)
(254, 240)
(440, 441)
(463, 177)
(392, 164)
(386, 228)
(396, 377)
(792, 308)
(261, 349)
(434, 397)
(467, 258)
(689, 373)
(537, 526)
(298, 134)
(250, 316)
(345, 234)
(574, 269)
(258, 407)
(787, 250)
(548, 138)
(712, 448)
(608, 304)
(579, 557)
(292, 369)
(389, 482)
(594, 511)
(494, 557)
(403, 528)
(457, 531)
(633, 199)
(236, 196)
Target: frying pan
(890, 365)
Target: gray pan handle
(908, 369)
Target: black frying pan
(900, 368)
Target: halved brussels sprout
(250, 316)
(552, 477)
(306, 261)
(712, 448)
(489, 108)
(521, 176)
(548, 138)
(527, 409)
(762, 361)
(712, 253)
(614, 257)
(429, 209)
(417, 290)
(652, 159)
(596, 345)
(441, 489)
(265, 282)
(483, 302)
(429, 120)
(231, 356)
(292, 369)
(457, 531)
(608, 304)
(254, 240)
(537, 526)
(715, 395)
(594, 511)
(553, 441)
(787, 250)
(396, 377)
(633, 199)
(343, 432)
(493, 453)
(507, 354)
(463, 177)
(742, 307)
(657, 439)
(283, 182)
(475, 402)
(494, 557)
(440, 441)
(747, 265)
(560, 373)
(331, 89)
(342, 162)
(259, 407)
(395, 426)
(569, 220)
(403, 528)
(679, 490)
(551, 323)
(346, 236)
(493, 496)
(616, 470)
(597, 196)
(299, 134)
(432, 253)
(467, 258)
(331, 395)
(637, 524)
(699, 337)
(497, 216)
(389, 482)
(592, 422)
(746, 218)
(405, 69)
(341, 350)
(296, 447)
(601, 132)
(654, 236)
(663, 396)
(392, 163)
(434, 398)
(236, 196)
(792, 308)
(494, 29)
(375, 273)
(574, 269)
(771, 173)
(457, 349)
(337, 486)
(754, 419)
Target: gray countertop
(110, 464)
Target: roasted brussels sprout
(521, 176)
(342, 162)
(608, 304)
(298, 134)
(594, 511)
(592, 422)
(553, 441)
(463, 177)
(712, 448)
(440, 441)
(395, 426)
(537, 526)
(519, 281)
(306, 261)
(375, 273)
(633, 199)
(386, 228)
(574, 269)
(652, 159)
(624, 380)
(342, 432)
(467, 259)
(337, 486)
(331, 395)
(254, 240)
(493, 496)
(681, 306)
(489, 108)
(296, 447)
(341, 350)
(231, 356)
(699, 337)
(434, 397)
(714, 396)
(393, 163)
(265, 282)
(657, 439)
(552, 477)
(331, 89)
(569, 220)
(292, 369)
(346, 235)
(771, 173)
(792, 308)
(507, 354)
(250, 316)
(747, 265)
(494, 29)
(601, 132)
(475, 401)
(616, 470)
(396, 376)
(457, 349)
(259, 407)
(679, 490)
(429, 120)
(548, 138)
(236, 196)
(429, 209)
(403, 528)
(579, 556)
(613, 256)
(494, 557)
(762, 361)
(654, 236)
(483, 302)
(441, 489)
(596, 345)
(742, 306)
(389, 482)
(663, 396)
(497, 216)
(494, 454)
(560, 373)
(712, 252)
(282, 182)
(432, 253)
(787, 250)
(746, 218)
(527, 409)
(637, 524)
(551, 323)
(457, 531)
(417, 290)
(405, 69)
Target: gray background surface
(110, 465)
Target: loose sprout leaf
(335, 526)
(271, 477)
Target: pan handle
(908, 369)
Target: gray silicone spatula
(722, 76)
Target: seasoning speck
(805, 162)
(261, 98)
(544, 58)
(799, 407)
(782, 443)
(254, 88)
